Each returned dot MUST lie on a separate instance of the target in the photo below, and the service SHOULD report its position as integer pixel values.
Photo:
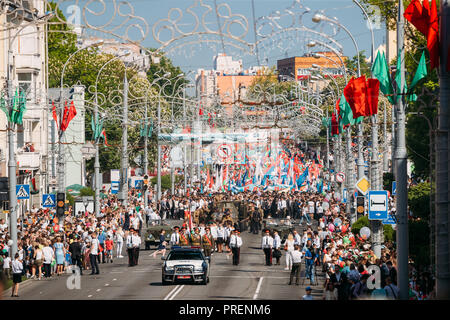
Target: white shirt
(94, 246)
(235, 241)
(276, 242)
(214, 232)
(175, 238)
(3, 226)
(267, 242)
(17, 266)
(296, 256)
(48, 254)
(136, 241)
(297, 239)
(290, 245)
(7, 263)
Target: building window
(25, 84)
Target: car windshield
(188, 255)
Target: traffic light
(360, 205)
(60, 204)
(4, 189)
(145, 184)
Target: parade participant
(276, 247)
(75, 253)
(196, 239)
(208, 242)
(267, 245)
(136, 240)
(175, 237)
(235, 244)
(93, 255)
(220, 238)
(184, 239)
(162, 244)
(308, 295)
(289, 247)
(130, 248)
(17, 269)
(119, 242)
(296, 257)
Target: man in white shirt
(267, 245)
(297, 239)
(3, 225)
(296, 257)
(94, 254)
(136, 242)
(175, 237)
(235, 245)
(48, 254)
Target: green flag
(4, 107)
(421, 72)
(18, 107)
(380, 70)
(347, 113)
(96, 129)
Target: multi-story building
(22, 50)
(137, 57)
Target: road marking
(255, 296)
(106, 284)
(176, 292)
(167, 297)
(98, 290)
(116, 271)
(89, 295)
(114, 279)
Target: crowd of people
(47, 246)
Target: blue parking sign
(394, 188)
(378, 205)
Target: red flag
(426, 20)
(355, 93)
(416, 14)
(334, 124)
(55, 117)
(433, 35)
(69, 114)
(362, 96)
(200, 110)
(373, 91)
(104, 137)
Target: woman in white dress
(289, 247)
(119, 242)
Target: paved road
(250, 280)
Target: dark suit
(75, 251)
(342, 285)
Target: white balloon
(364, 232)
(337, 222)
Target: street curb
(7, 292)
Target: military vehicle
(282, 229)
(151, 235)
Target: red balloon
(344, 229)
(56, 227)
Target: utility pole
(328, 145)
(124, 163)
(184, 142)
(146, 151)
(385, 153)
(442, 164)
(401, 178)
(158, 192)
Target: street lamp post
(97, 154)
(123, 191)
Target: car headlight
(198, 269)
(169, 268)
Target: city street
(249, 280)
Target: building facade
(23, 63)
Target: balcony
(28, 160)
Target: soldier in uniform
(196, 239)
(184, 239)
(207, 242)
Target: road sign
(340, 177)
(115, 187)
(363, 185)
(391, 219)
(23, 191)
(378, 205)
(394, 188)
(48, 200)
(138, 184)
(344, 195)
(224, 151)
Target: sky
(151, 14)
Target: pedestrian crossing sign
(23, 191)
(48, 200)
